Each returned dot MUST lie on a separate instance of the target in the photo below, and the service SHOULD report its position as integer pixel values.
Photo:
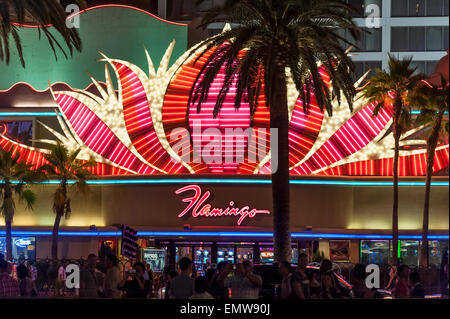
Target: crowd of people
(226, 281)
(107, 281)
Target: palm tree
(433, 102)
(273, 38)
(14, 177)
(386, 89)
(64, 166)
(41, 13)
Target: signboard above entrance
(199, 207)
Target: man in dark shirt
(88, 278)
(137, 287)
(182, 287)
(417, 290)
(217, 289)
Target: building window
(180, 10)
(434, 38)
(445, 36)
(18, 131)
(375, 252)
(426, 67)
(438, 251)
(380, 251)
(399, 39)
(419, 8)
(416, 39)
(361, 5)
(187, 9)
(369, 41)
(409, 252)
(416, 8)
(361, 67)
(23, 248)
(419, 39)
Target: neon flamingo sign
(198, 208)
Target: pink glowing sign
(198, 207)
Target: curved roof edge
(106, 6)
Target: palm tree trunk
(396, 133)
(431, 147)
(8, 213)
(55, 235)
(8, 224)
(279, 120)
(59, 214)
(425, 221)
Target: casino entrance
(206, 254)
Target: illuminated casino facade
(133, 116)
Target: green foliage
(65, 166)
(272, 36)
(385, 87)
(28, 197)
(37, 12)
(432, 100)
(11, 170)
(391, 88)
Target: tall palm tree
(64, 166)
(433, 102)
(386, 89)
(14, 178)
(273, 38)
(41, 13)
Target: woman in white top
(112, 278)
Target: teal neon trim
(243, 181)
(222, 234)
(417, 112)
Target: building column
(214, 253)
(172, 252)
(194, 268)
(354, 252)
(256, 254)
(385, 33)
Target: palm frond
(433, 101)
(40, 13)
(28, 197)
(65, 166)
(273, 36)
